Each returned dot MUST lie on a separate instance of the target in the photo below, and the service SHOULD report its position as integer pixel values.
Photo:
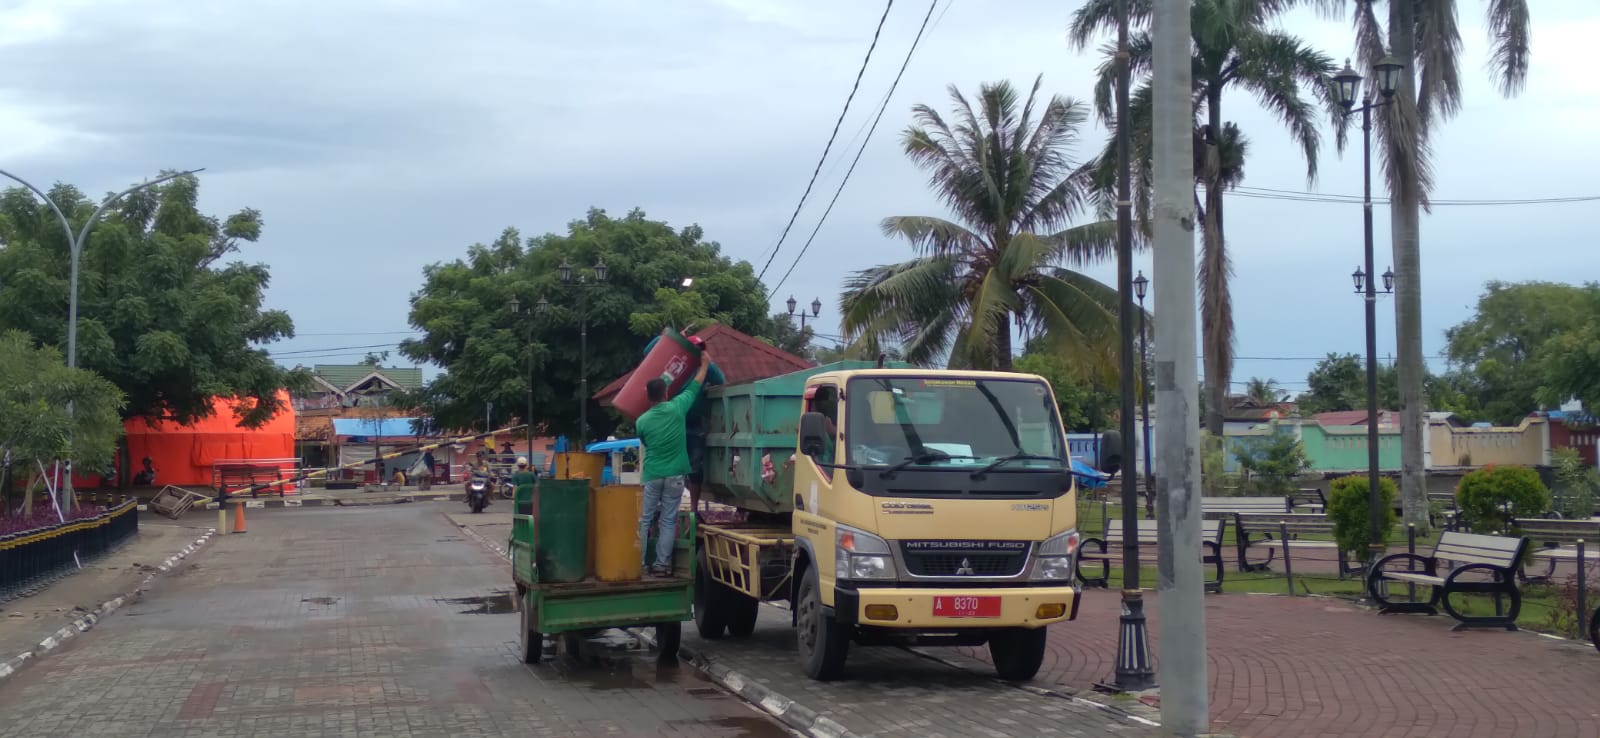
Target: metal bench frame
(1552, 541)
(1272, 527)
(1098, 550)
(1227, 507)
(1498, 555)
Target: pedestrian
(663, 433)
(524, 478)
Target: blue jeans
(661, 500)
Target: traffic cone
(238, 518)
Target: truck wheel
(1017, 652)
(532, 643)
(710, 612)
(824, 643)
(743, 610)
(668, 636)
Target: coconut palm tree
(1005, 260)
(1424, 37)
(1233, 46)
(1263, 391)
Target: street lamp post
(75, 243)
(1348, 85)
(1140, 285)
(816, 308)
(583, 282)
(526, 313)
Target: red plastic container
(673, 358)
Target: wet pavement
(380, 621)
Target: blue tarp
(1088, 476)
(371, 427)
(603, 447)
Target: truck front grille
(936, 563)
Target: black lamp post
(1140, 285)
(527, 314)
(816, 308)
(583, 282)
(1348, 85)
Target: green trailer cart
(557, 596)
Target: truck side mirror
(1110, 460)
(813, 433)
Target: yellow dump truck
(890, 505)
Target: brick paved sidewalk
(381, 621)
(893, 692)
(1282, 666)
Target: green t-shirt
(663, 433)
(523, 478)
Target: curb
(496, 547)
(87, 621)
(276, 502)
(792, 714)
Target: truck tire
(668, 636)
(743, 610)
(824, 643)
(710, 614)
(1017, 652)
(532, 641)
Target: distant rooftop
(347, 376)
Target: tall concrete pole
(1182, 633)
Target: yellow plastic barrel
(615, 539)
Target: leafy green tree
(1339, 382)
(1577, 484)
(1234, 47)
(469, 330)
(35, 388)
(1272, 462)
(1084, 406)
(1003, 169)
(1349, 507)
(1504, 351)
(1492, 497)
(789, 335)
(160, 314)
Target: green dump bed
(754, 420)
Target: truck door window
(826, 401)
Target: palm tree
(1232, 47)
(1263, 391)
(1425, 38)
(1004, 172)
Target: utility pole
(1182, 597)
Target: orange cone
(238, 519)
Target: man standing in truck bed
(663, 433)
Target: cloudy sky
(377, 136)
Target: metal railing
(33, 558)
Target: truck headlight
(858, 554)
(1057, 558)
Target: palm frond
(934, 237)
(1075, 315)
(1438, 57)
(1509, 26)
(892, 302)
(1274, 66)
(1098, 16)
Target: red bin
(673, 358)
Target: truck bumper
(915, 607)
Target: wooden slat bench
(1266, 530)
(1467, 553)
(1104, 551)
(1227, 507)
(1554, 541)
(1308, 500)
(1451, 514)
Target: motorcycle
(477, 493)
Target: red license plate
(965, 606)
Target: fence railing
(35, 557)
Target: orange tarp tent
(184, 454)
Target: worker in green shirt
(664, 434)
(523, 479)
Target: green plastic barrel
(561, 517)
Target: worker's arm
(686, 398)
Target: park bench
(1271, 531)
(1554, 541)
(1451, 514)
(1309, 500)
(1107, 549)
(1467, 554)
(1227, 507)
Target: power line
(362, 333)
(818, 170)
(331, 348)
(1268, 193)
(859, 151)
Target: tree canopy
(35, 389)
(159, 315)
(1525, 346)
(469, 330)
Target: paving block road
(377, 621)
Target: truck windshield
(938, 423)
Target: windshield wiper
(1018, 456)
(928, 456)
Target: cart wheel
(668, 636)
(532, 643)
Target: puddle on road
(323, 601)
(493, 604)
